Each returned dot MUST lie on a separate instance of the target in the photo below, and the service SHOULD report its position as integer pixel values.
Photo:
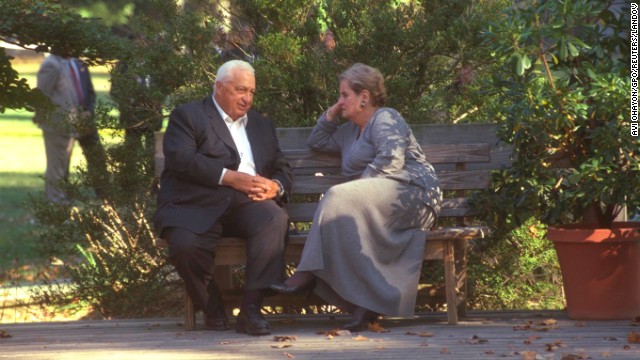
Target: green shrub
(515, 270)
(107, 247)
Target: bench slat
(457, 153)
(231, 251)
(464, 180)
(449, 180)
(436, 154)
(301, 159)
(451, 207)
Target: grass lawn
(22, 164)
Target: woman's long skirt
(367, 244)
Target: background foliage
(565, 88)
(430, 52)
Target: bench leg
(223, 277)
(450, 282)
(189, 313)
(460, 249)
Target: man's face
(235, 94)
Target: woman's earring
(363, 104)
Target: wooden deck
(503, 335)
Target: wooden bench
(462, 156)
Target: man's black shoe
(251, 321)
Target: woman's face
(349, 102)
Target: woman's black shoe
(360, 320)
(305, 288)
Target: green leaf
(573, 50)
(526, 62)
(522, 63)
(563, 49)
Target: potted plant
(563, 102)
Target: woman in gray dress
(365, 248)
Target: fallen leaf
(580, 324)
(579, 356)
(285, 338)
(227, 342)
(633, 338)
(288, 355)
(4, 334)
(360, 338)
(529, 355)
(334, 332)
(444, 351)
(526, 326)
(530, 339)
(281, 346)
(420, 334)
(551, 347)
(543, 325)
(548, 322)
(489, 352)
(570, 357)
(376, 327)
(554, 346)
(475, 339)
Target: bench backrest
(462, 156)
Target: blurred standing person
(66, 81)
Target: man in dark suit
(224, 175)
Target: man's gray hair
(225, 70)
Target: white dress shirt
(239, 134)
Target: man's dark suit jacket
(197, 146)
(88, 93)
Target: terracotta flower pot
(600, 270)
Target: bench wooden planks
(316, 172)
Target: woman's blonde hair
(364, 77)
